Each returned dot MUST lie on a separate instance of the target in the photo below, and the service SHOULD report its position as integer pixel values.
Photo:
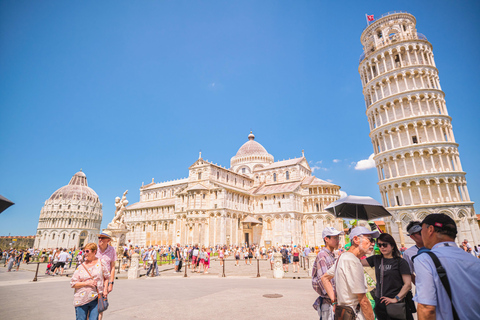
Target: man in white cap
(350, 286)
(325, 259)
(107, 253)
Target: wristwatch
(111, 283)
(398, 298)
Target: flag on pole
(370, 17)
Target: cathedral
(255, 201)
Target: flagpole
(366, 18)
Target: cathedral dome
(76, 189)
(251, 155)
(251, 147)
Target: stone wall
(20, 243)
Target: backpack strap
(442, 273)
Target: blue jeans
(81, 312)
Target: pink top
(109, 255)
(86, 294)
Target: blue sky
(132, 90)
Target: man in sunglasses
(107, 253)
(350, 284)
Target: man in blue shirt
(438, 234)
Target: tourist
(18, 259)
(468, 246)
(152, 261)
(10, 260)
(350, 286)
(250, 255)
(414, 229)
(284, 253)
(462, 269)
(107, 253)
(89, 280)
(476, 252)
(245, 255)
(62, 259)
(393, 277)
(195, 253)
(296, 259)
(221, 256)
(178, 258)
(206, 261)
(324, 261)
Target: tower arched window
(69, 221)
(287, 175)
(199, 176)
(274, 177)
(218, 175)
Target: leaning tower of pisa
(416, 154)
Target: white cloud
(329, 180)
(366, 163)
(343, 194)
(316, 168)
(336, 160)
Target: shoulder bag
(343, 312)
(102, 301)
(442, 274)
(394, 310)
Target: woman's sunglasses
(383, 245)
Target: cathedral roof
(283, 163)
(278, 188)
(251, 147)
(152, 204)
(314, 181)
(76, 189)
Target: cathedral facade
(255, 201)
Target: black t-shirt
(392, 275)
(177, 253)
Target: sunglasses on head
(383, 244)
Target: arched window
(53, 236)
(274, 177)
(218, 175)
(73, 236)
(318, 207)
(287, 175)
(63, 238)
(199, 176)
(69, 221)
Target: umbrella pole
(356, 212)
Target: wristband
(111, 283)
(334, 303)
(398, 298)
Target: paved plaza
(240, 295)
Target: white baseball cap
(331, 231)
(358, 231)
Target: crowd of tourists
(435, 278)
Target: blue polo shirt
(463, 270)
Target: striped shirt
(325, 259)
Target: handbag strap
(381, 278)
(83, 265)
(442, 274)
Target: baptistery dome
(76, 189)
(71, 217)
(250, 156)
